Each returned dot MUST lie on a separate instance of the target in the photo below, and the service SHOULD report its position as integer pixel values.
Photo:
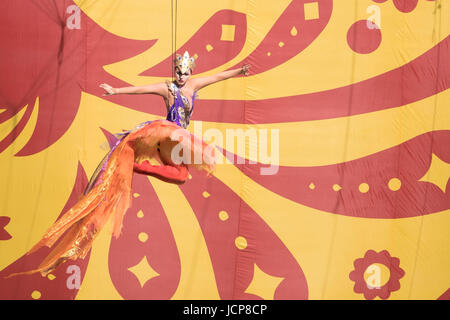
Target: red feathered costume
(108, 194)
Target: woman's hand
(199, 83)
(245, 68)
(109, 90)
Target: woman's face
(181, 78)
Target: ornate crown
(185, 62)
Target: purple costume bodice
(176, 115)
(177, 112)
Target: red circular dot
(405, 5)
(364, 37)
(379, 1)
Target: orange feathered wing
(110, 195)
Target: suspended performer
(108, 193)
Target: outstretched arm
(200, 83)
(158, 88)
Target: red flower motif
(368, 276)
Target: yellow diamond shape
(438, 173)
(143, 271)
(311, 10)
(263, 284)
(228, 32)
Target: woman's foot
(170, 173)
